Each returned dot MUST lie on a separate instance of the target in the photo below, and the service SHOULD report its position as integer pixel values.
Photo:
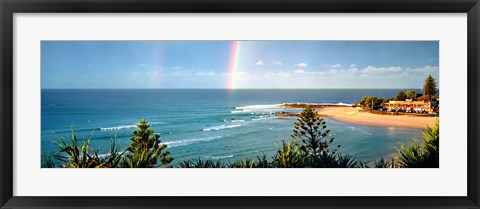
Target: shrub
(201, 164)
(426, 155)
(72, 155)
(288, 156)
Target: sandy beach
(354, 115)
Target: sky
(238, 64)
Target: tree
(309, 130)
(430, 87)
(384, 101)
(411, 94)
(145, 149)
(370, 102)
(401, 96)
(357, 103)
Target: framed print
(236, 104)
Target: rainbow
(233, 65)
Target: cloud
(205, 73)
(302, 64)
(352, 70)
(427, 69)
(176, 67)
(342, 77)
(319, 73)
(90, 65)
(353, 65)
(387, 72)
(142, 65)
(277, 62)
(299, 71)
(372, 69)
(333, 71)
(259, 63)
(336, 66)
(181, 73)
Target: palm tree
(426, 155)
(288, 156)
(72, 155)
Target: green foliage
(371, 102)
(430, 87)
(362, 164)
(309, 130)
(426, 155)
(384, 101)
(381, 163)
(357, 103)
(261, 162)
(72, 155)
(368, 102)
(330, 160)
(289, 156)
(201, 164)
(401, 96)
(47, 161)
(384, 163)
(411, 94)
(145, 150)
(245, 163)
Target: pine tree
(309, 130)
(430, 87)
(145, 150)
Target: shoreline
(353, 115)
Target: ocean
(217, 124)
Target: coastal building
(411, 106)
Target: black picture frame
(10, 7)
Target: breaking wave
(221, 157)
(190, 141)
(270, 109)
(357, 130)
(121, 127)
(115, 128)
(220, 127)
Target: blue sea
(217, 124)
